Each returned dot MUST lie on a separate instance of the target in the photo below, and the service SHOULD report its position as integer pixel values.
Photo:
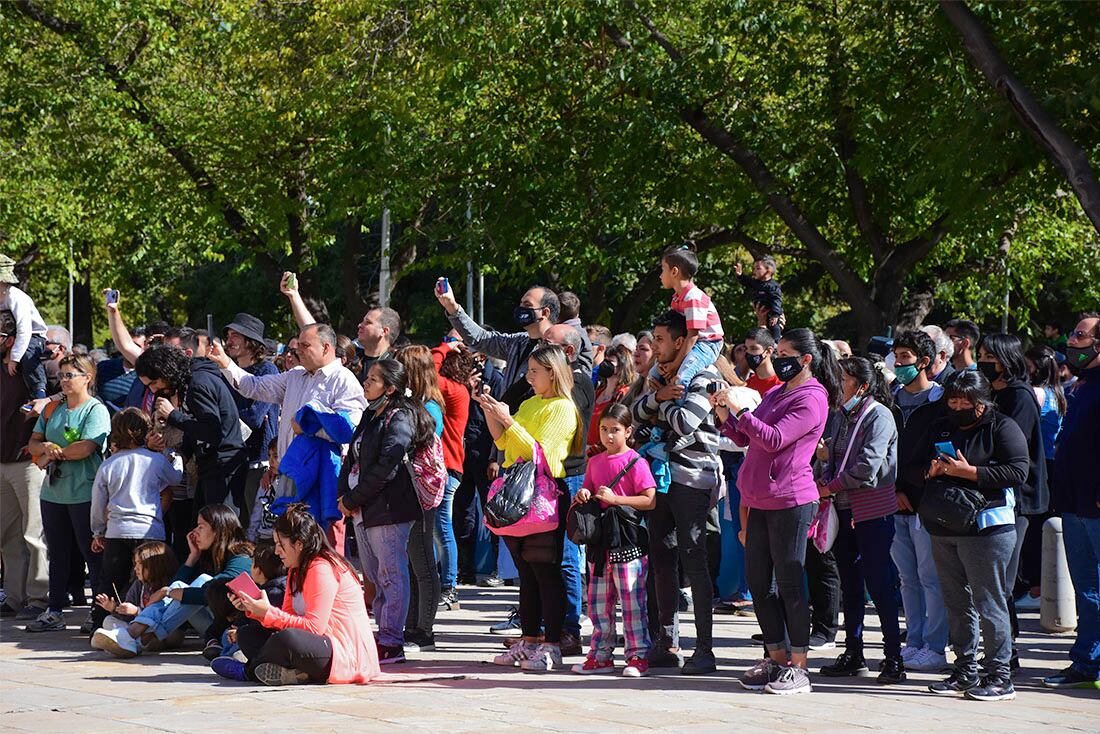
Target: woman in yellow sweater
(549, 419)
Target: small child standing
(129, 494)
(30, 331)
(269, 573)
(764, 291)
(704, 338)
(272, 486)
(155, 564)
(618, 478)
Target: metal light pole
(384, 272)
(71, 265)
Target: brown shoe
(509, 641)
(571, 645)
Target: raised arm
(297, 305)
(120, 334)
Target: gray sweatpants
(972, 574)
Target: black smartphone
(210, 327)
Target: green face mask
(905, 373)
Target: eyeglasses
(70, 375)
(1078, 334)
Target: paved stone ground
(54, 682)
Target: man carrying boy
(764, 291)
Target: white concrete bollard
(1057, 609)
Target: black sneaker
(7, 611)
(701, 663)
(758, 637)
(509, 626)
(992, 690)
(819, 641)
(492, 581)
(448, 599)
(417, 641)
(892, 670)
(1071, 677)
(684, 602)
(212, 651)
(665, 658)
(388, 655)
(954, 685)
(847, 664)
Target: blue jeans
(1081, 536)
(445, 535)
(384, 555)
(921, 598)
(863, 559)
(572, 563)
(702, 355)
(163, 619)
(732, 583)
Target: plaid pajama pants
(625, 583)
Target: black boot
(847, 664)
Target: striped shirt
(697, 465)
(700, 313)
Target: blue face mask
(852, 402)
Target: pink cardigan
(335, 609)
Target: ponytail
(865, 373)
(824, 365)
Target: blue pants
(163, 619)
(863, 558)
(921, 598)
(445, 535)
(571, 564)
(732, 583)
(34, 374)
(384, 555)
(1082, 538)
(702, 355)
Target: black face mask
(960, 418)
(753, 360)
(787, 368)
(525, 316)
(1078, 357)
(990, 370)
(606, 369)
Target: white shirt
(332, 387)
(27, 320)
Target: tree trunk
(1043, 128)
(351, 249)
(82, 300)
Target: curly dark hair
(458, 365)
(166, 363)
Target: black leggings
(223, 611)
(115, 572)
(541, 586)
(775, 544)
(425, 589)
(289, 648)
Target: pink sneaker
(592, 666)
(636, 667)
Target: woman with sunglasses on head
(68, 443)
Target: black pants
(221, 609)
(775, 545)
(289, 648)
(425, 587)
(541, 586)
(116, 570)
(212, 486)
(678, 531)
(178, 522)
(473, 489)
(64, 525)
(823, 580)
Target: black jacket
(914, 452)
(1017, 401)
(765, 292)
(1077, 461)
(996, 446)
(384, 494)
(209, 420)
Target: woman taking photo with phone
(322, 632)
(968, 507)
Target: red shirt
(456, 411)
(762, 386)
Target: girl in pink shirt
(322, 633)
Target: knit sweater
(549, 421)
(234, 567)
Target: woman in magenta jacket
(779, 493)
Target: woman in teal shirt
(69, 446)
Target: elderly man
(945, 351)
(322, 382)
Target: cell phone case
(243, 585)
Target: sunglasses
(70, 375)
(1078, 334)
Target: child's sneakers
(636, 667)
(116, 641)
(592, 666)
(544, 657)
(229, 667)
(519, 652)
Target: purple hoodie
(781, 434)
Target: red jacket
(456, 411)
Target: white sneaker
(117, 641)
(516, 654)
(545, 657)
(927, 661)
(1029, 603)
(908, 652)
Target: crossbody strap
(852, 436)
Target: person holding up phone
(968, 507)
(322, 633)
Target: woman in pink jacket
(322, 634)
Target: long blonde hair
(552, 357)
(420, 372)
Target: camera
(714, 387)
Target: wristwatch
(737, 416)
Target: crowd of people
(281, 503)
